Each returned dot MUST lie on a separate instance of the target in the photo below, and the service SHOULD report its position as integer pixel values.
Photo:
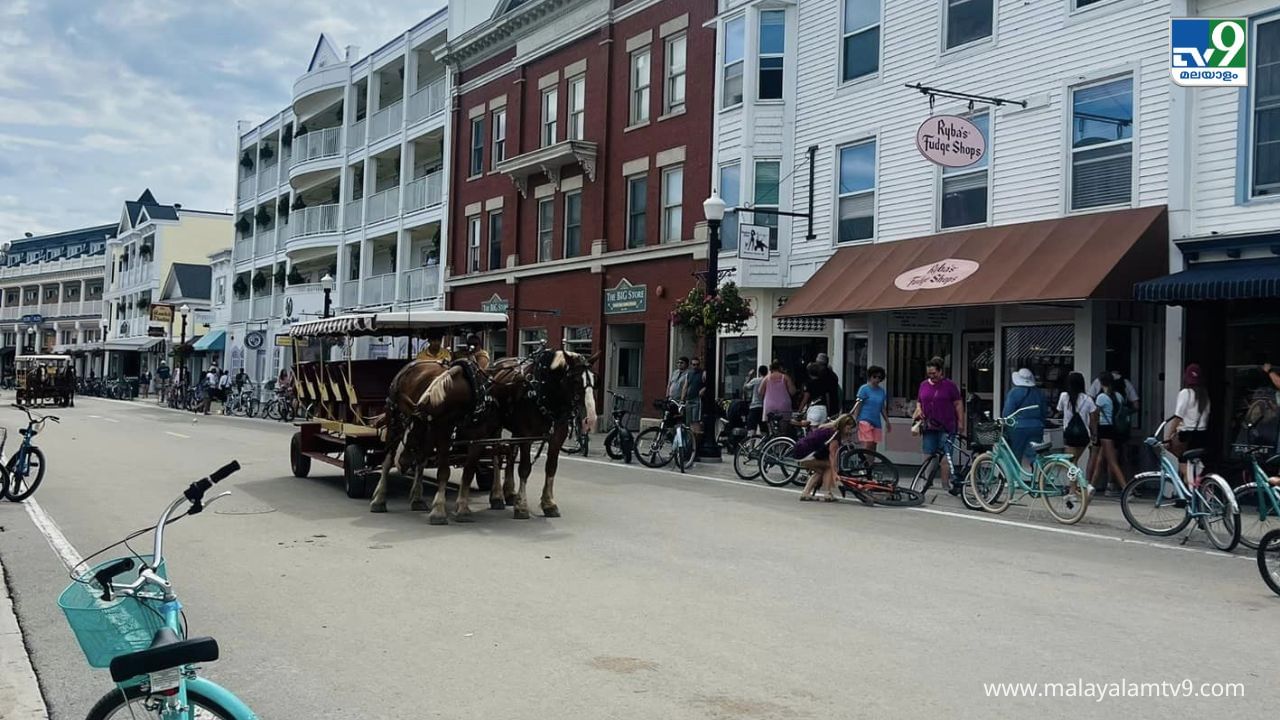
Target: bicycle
(870, 476)
(25, 469)
(657, 446)
(963, 450)
(1258, 501)
(746, 461)
(997, 475)
(137, 629)
(1175, 502)
(620, 442)
(241, 402)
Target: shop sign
(32, 319)
(254, 340)
(950, 141)
(162, 313)
(753, 242)
(155, 332)
(495, 304)
(626, 298)
(288, 341)
(943, 273)
(921, 319)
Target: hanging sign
(950, 141)
(162, 313)
(626, 298)
(254, 340)
(495, 304)
(943, 273)
(753, 242)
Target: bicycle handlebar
(194, 494)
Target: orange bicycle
(873, 478)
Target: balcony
(264, 243)
(425, 192)
(379, 290)
(269, 178)
(355, 135)
(550, 161)
(244, 248)
(427, 102)
(90, 262)
(383, 205)
(386, 121)
(12, 313)
(355, 214)
(240, 311)
(317, 220)
(350, 294)
(262, 308)
(422, 283)
(91, 308)
(316, 145)
(247, 188)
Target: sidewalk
(20, 697)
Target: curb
(20, 695)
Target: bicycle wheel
(746, 461)
(1063, 491)
(272, 409)
(683, 450)
(653, 447)
(894, 496)
(923, 479)
(613, 445)
(988, 484)
(1222, 523)
(1151, 504)
(777, 467)
(252, 407)
(1257, 514)
(1269, 560)
(129, 704)
(22, 487)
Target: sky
(99, 100)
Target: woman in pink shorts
(871, 410)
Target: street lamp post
(31, 339)
(184, 311)
(713, 209)
(326, 284)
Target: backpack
(1122, 415)
(1076, 433)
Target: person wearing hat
(1190, 421)
(478, 354)
(1026, 397)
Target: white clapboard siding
(1216, 171)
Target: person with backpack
(1077, 410)
(1026, 397)
(1106, 437)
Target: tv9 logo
(1210, 52)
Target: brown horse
(404, 428)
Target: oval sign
(950, 141)
(936, 275)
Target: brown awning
(1100, 255)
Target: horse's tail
(589, 416)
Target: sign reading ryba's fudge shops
(940, 274)
(950, 141)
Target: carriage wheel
(300, 464)
(353, 462)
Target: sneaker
(955, 489)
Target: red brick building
(582, 154)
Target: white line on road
(168, 432)
(59, 542)
(111, 420)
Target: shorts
(1108, 432)
(755, 416)
(868, 433)
(931, 440)
(817, 415)
(1193, 439)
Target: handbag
(1076, 433)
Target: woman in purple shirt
(941, 411)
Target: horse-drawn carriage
(349, 397)
(43, 379)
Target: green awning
(214, 341)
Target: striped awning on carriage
(394, 323)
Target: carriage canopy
(47, 359)
(403, 323)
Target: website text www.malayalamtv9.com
(1099, 691)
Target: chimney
(27, 234)
(352, 52)
(177, 206)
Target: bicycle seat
(1041, 447)
(24, 432)
(167, 651)
(1193, 455)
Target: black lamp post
(326, 284)
(31, 340)
(713, 208)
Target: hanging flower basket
(145, 251)
(299, 203)
(246, 161)
(240, 287)
(143, 303)
(242, 225)
(266, 153)
(727, 311)
(263, 217)
(282, 208)
(295, 277)
(259, 281)
(279, 276)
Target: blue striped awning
(1225, 280)
(214, 341)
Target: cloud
(96, 105)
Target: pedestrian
(1106, 438)
(871, 409)
(939, 415)
(675, 384)
(694, 390)
(776, 391)
(831, 382)
(755, 410)
(224, 389)
(434, 351)
(1077, 410)
(819, 453)
(1025, 399)
(1190, 422)
(210, 388)
(821, 393)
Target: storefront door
(625, 369)
(979, 379)
(795, 353)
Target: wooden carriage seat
(370, 383)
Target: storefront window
(855, 366)
(908, 353)
(1046, 350)
(737, 360)
(578, 339)
(531, 339)
(497, 344)
(795, 353)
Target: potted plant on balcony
(240, 288)
(259, 281)
(302, 130)
(242, 225)
(246, 160)
(295, 277)
(282, 207)
(146, 250)
(727, 310)
(266, 153)
(279, 276)
(286, 136)
(263, 217)
(143, 303)
(299, 203)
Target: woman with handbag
(1025, 396)
(1078, 414)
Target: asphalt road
(655, 595)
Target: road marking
(110, 420)
(96, 417)
(934, 511)
(187, 437)
(52, 533)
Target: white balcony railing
(427, 102)
(262, 308)
(350, 294)
(240, 311)
(316, 144)
(386, 121)
(247, 186)
(426, 191)
(12, 313)
(355, 135)
(316, 220)
(277, 304)
(264, 243)
(383, 205)
(379, 289)
(91, 308)
(269, 177)
(422, 283)
(244, 248)
(355, 214)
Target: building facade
(584, 157)
(51, 290)
(348, 181)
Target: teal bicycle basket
(106, 630)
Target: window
(675, 55)
(640, 77)
(578, 108)
(1266, 109)
(857, 192)
(473, 244)
(907, 354)
(353, 262)
(1047, 350)
(495, 240)
(965, 190)
(672, 204)
(734, 59)
(766, 197)
(572, 224)
(1102, 144)
(860, 49)
(220, 295)
(1086, 3)
(499, 152)
(637, 206)
(578, 339)
(531, 340)
(497, 341)
(773, 34)
(549, 115)
(737, 362)
(477, 146)
(856, 363)
(546, 228)
(967, 21)
(731, 193)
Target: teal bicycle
(26, 468)
(1258, 501)
(995, 477)
(138, 630)
(1162, 503)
